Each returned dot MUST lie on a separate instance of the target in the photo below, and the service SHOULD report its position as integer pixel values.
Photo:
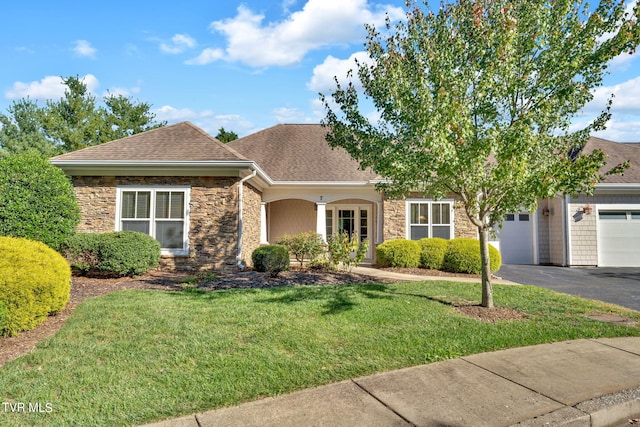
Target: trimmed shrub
(271, 259)
(35, 282)
(37, 201)
(398, 253)
(121, 253)
(463, 256)
(3, 315)
(307, 245)
(346, 251)
(432, 252)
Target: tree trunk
(487, 290)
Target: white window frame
(429, 224)
(153, 189)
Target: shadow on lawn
(337, 299)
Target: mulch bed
(87, 287)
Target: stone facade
(394, 219)
(252, 200)
(213, 215)
(462, 225)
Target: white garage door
(516, 239)
(619, 238)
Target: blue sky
(245, 65)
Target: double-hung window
(161, 212)
(427, 218)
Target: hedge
(463, 256)
(271, 259)
(432, 252)
(35, 282)
(398, 253)
(37, 201)
(120, 253)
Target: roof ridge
(215, 140)
(122, 139)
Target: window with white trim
(161, 212)
(428, 218)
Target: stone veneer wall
(213, 215)
(462, 225)
(251, 222)
(394, 219)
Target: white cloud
(84, 48)
(179, 43)
(320, 23)
(50, 87)
(626, 98)
(207, 120)
(117, 91)
(174, 115)
(288, 115)
(621, 131)
(206, 57)
(323, 81)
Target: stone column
(263, 223)
(321, 219)
(380, 222)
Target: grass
(132, 357)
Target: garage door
(619, 238)
(516, 239)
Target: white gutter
(240, 194)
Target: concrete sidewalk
(386, 274)
(574, 383)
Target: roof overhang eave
(617, 188)
(161, 167)
(298, 184)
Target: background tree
(123, 117)
(476, 100)
(226, 136)
(21, 130)
(72, 122)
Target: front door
(351, 219)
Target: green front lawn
(137, 356)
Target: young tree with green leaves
(476, 99)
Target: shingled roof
(180, 142)
(616, 153)
(300, 152)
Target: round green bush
(37, 201)
(35, 281)
(398, 253)
(121, 253)
(432, 252)
(271, 259)
(463, 256)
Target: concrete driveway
(620, 285)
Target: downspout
(239, 263)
